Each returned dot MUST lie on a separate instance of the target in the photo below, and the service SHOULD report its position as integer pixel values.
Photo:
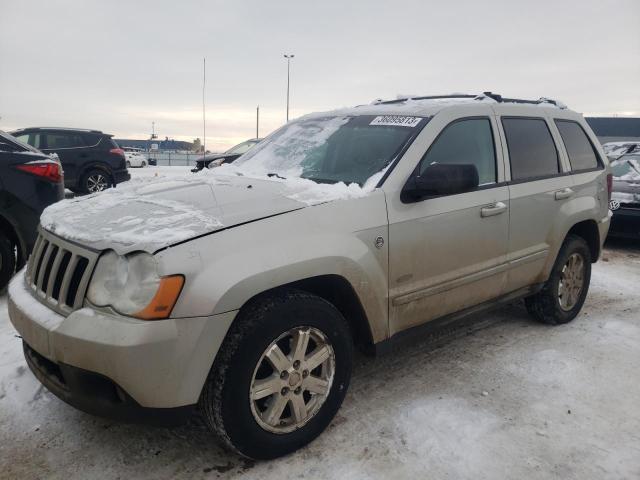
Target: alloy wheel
(292, 380)
(571, 282)
(97, 182)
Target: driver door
(448, 253)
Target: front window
(241, 148)
(332, 149)
(32, 139)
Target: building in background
(615, 129)
(163, 145)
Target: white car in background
(135, 157)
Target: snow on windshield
(626, 168)
(284, 152)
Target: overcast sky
(119, 65)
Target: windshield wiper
(276, 175)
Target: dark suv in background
(29, 182)
(92, 160)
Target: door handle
(564, 193)
(495, 209)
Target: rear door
(448, 253)
(539, 186)
(71, 150)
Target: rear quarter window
(91, 139)
(532, 151)
(582, 154)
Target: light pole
(288, 57)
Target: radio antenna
(204, 115)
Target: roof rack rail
(427, 97)
(61, 128)
(494, 96)
(500, 99)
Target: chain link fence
(173, 158)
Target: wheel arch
(13, 234)
(95, 166)
(588, 230)
(338, 291)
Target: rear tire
(564, 293)
(143, 164)
(128, 164)
(7, 261)
(96, 180)
(243, 413)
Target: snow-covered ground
(509, 398)
(513, 399)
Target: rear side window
(532, 152)
(64, 140)
(582, 155)
(465, 141)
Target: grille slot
(58, 272)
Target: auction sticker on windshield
(396, 121)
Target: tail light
(47, 170)
(609, 185)
(117, 151)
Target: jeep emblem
(379, 242)
(613, 205)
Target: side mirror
(441, 179)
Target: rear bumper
(120, 176)
(625, 223)
(117, 366)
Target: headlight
(131, 285)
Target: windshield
(332, 149)
(627, 167)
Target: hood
(152, 215)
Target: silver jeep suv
(241, 291)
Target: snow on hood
(155, 212)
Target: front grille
(59, 271)
(631, 206)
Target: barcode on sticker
(396, 121)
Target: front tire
(564, 293)
(280, 376)
(7, 261)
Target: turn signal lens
(164, 300)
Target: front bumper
(625, 223)
(117, 366)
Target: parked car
(135, 157)
(625, 199)
(92, 160)
(615, 150)
(217, 159)
(29, 182)
(242, 293)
